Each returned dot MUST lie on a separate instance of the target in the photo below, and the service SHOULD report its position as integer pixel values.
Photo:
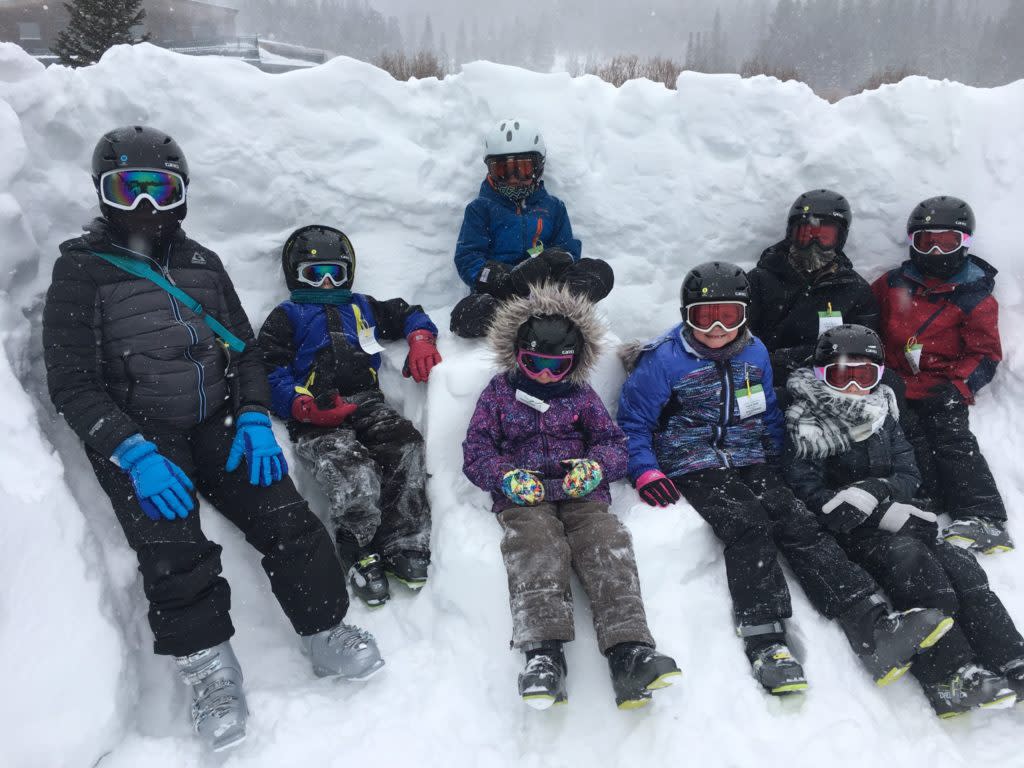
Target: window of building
(29, 30)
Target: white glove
(854, 496)
(897, 515)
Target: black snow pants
(189, 601)
(591, 277)
(755, 515)
(917, 570)
(955, 474)
(373, 470)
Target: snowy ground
(656, 181)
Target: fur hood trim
(548, 299)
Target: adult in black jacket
(847, 459)
(805, 283)
(163, 412)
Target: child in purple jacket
(542, 442)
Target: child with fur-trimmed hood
(543, 444)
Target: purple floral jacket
(505, 434)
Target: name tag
(368, 341)
(828, 320)
(751, 401)
(913, 354)
(534, 402)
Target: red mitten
(423, 356)
(304, 409)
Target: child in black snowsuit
(322, 354)
(847, 458)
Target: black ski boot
(542, 681)
(773, 665)
(970, 687)
(887, 642)
(1014, 673)
(408, 566)
(988, 536)
(637, 669)
(368, 581)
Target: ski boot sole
(937, 634)
(635, 703)
(414, 584)
(1003, 702)
(230, 744)
(966, 542)
(892, 675)
(788, 689)
(543, 701)
(664, 680)
(377, 667)
(998, 549)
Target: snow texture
(656, 181)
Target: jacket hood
(775, 259)
(548, 299)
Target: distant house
(35, 24)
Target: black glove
(526, 274)
(558, 261)
(494, 280)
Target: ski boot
(773, 665)
(408, 566)
(970, 687)
(1014, 673)
(637, 669)
(368, 581)
(887, 642)
(343, 651)
(988, 536)
(218, 701)
(542, 681)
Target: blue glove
(162, 488)
(254, 439)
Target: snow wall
(656, 181)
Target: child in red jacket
(939, 322)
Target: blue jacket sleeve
(644, 395)
(562, 235)
(774, 421)
(474, 246)
(276, 342)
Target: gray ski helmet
(316, 242)
(714, 281)
(848, 341)
(822, 204)
(942, 212)
(137, 146)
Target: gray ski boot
(970, 687)
(771, 661)
(344, 651)
(218, 701)
(988, 536)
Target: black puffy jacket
(784, 307)
(123, 356)
(885, 456)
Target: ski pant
(955, 474)
(755, 515)
(917, 570)
(189, 601)
(372, 469)
(590, 277)
(542, 544)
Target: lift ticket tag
(829, 319)
(368, 340)
(534, 402)
(913, 354)
(751, 401)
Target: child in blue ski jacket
(701, 418)
(322, 355)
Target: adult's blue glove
(162, 488)
(254, 439)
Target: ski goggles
(509, 167)
(842, 376)
(125, 188)
(944, 241)
(727, 315)
(534, 364)
(825, 233)
(315, 273)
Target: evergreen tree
(95, 26)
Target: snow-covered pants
(752, 512)
(543, 544)
(373, 470)
(189, 600)
(955, 474)
(917, 570)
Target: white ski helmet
(513, 137)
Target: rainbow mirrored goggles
(316, 273)
(123, 189)
(534, 365)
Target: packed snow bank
(656, 181)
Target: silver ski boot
(218, 701)
(988, 536)
(343, 651)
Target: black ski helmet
(714, 281)
(137, 146)
(848, 341)
(942, 212)
(316, 242)
(550, 335)
(822, 204)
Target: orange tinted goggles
(727, 315)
